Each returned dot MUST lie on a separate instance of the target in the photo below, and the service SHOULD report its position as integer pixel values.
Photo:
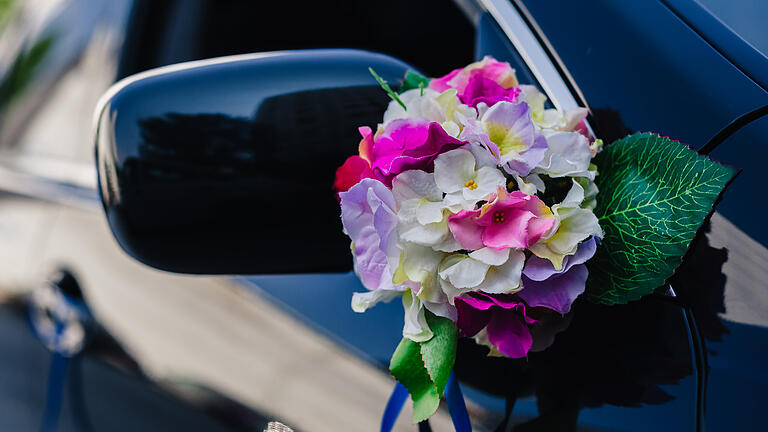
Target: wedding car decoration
(485, 212)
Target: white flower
(418, 269)
(444, 108)
(568, 154)
(573, 225)
(530, 184)
(544, 118)
(415, 325)
(422, 217)
(489, 270)
(361, 302)
(464, 182)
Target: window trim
(536, 56)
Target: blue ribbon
(394, 406)
(456, 406)
(56, 379)
(453, 397)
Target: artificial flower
(483, 90)
(418, 270)
(488, 270)
(499, 72)
(556, 289)
(444, 108)
(507, 131)
(369, 218)
(568, 154)
(573, 225)
(422, 218)
(415, 325)
(546, 118)
(350, 173)
(512, 220)
(407, 144)
(459, 176)
(502, 316)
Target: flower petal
(415, 184)
(491, 256)
(467, 232)
(469, 318)
(453, 169)
(558, 292)
(364, 301)
(504, 279)
(509, 334)
(540, 269)
(415, 325)
(463, 272)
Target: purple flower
(369, 218)
(502, 315)
(556, 289)
(507, 131)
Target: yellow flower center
(471, 185)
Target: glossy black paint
(641, 68)
(626, 368)
(630, 75)
(226, 168)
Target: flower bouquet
(489, 213)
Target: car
(155, 274)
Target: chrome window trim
(535, 56)
(72, 189)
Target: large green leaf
(655, 193)
(423, 368)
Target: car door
(249, 349)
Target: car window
(432, 35)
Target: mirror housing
(226, 166)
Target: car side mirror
(225, 166)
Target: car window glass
(432, 35)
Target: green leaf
(387, 88)
(655, 193)
(414, 80)
(439, 353)
(408, 368)
(423, 368)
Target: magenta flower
(489, 68)
(512, 220)
(481, 89)
(503, 317)
(407, 144)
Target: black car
(208, 299)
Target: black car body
(232, 351)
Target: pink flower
(512, 220)
(355, 168)
(500, 73)
(481, 89)
(350, 173)
(407, 144)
